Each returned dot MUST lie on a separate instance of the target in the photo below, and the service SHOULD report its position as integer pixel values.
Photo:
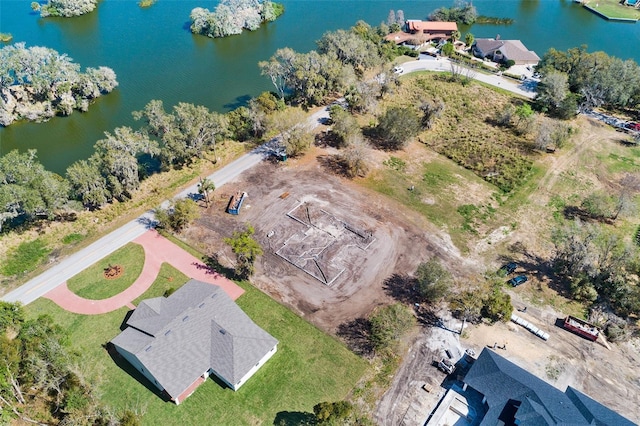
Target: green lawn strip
(431, 195)
(309, 367)
(613, 9)
(168, 277)
(92, 284)
(25, 257)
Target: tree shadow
(333, 164)
(239, 101)
(401, 287)
(542, 269)
(574, 212)
(294, 418)
(356, 334)
(212, 262)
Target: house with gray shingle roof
(503, 50)
(513, 396)
(178, 341)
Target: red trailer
(581, 327)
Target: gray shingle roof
(196, 329)
(535, 402)
(594, 411)
(512, 49)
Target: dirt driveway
(401, 239)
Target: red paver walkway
(157, 249)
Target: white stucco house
(178, 341)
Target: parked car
(398, 70)
(509, 268)
(516, 281)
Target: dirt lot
(400, 239)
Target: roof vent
(223, 331)
(166, 333)
(185, 318)
(147, 349)
(201, 305)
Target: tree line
(37, 83)
(64, 8)
(41, 381)
(232, 16)
(578, 79)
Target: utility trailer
(581, 328)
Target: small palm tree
(455, 36)
(204, 187)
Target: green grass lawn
(431, 196)
(613, 9)
(309, 367)
(92, 284)
(168, 277)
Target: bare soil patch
(355, 237)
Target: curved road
(75, 263)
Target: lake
(156, 57)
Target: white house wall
(133, 360)
(255, 368)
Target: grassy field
(308, 368)
(613, 9)
(92, 284)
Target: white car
(398, 70)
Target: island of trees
(37, 83)
(232, 16)
(65, 8)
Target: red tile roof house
(504, 50)
(424, 31)
(179, 341)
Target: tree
(434, 282)
(467, 306)
(455, 36)
(205, 186)
(469, 39)
(291, 125)
(397, 126)
(232, 16)
(350, 49)
(246, 249)
(178, 215)
(337, 412)
(118, 160)
(504, 116)
(355, 157)
(498, 307)
(552, 90)
(388, 324)
(391, 18)
(67, 8)
(345, 126)
(27, 190)
(447, 49)
(431, 110)
(87, 183)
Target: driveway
(425, 63)
(157, 250)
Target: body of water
(156, 57)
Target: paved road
(75, 263)
(526, 88)
(72, 265)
